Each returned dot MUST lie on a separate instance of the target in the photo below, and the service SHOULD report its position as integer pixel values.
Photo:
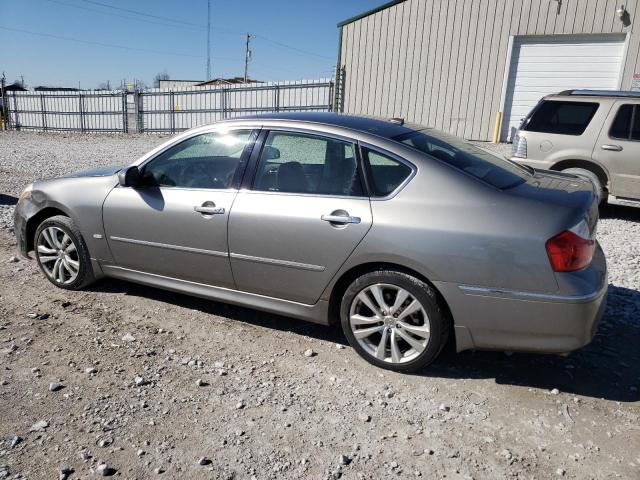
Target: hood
(96, 172)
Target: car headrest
(270, 153)
(291, 178)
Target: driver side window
(209, 160)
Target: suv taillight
(519, 147)
(572, 249)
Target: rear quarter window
(564, 118)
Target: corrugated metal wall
(442, 62)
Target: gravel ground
(135, 382)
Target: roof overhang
(370, 12)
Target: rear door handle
(208, 208)
(612, 148)
(340, 219)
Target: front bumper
(20, 227)
(499, 319)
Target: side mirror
(129, 177)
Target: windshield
(475, 161)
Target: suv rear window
(564, 118)
(626, 125)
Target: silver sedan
(407, 237)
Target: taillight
(519, 147)
(572, 249)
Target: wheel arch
(592, 166)
(343, 282)
(37, 219)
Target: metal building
(454, 64)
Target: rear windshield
(477, 162)
(564, 118)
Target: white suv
(594, 133)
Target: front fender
(79, 198)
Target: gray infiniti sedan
(408, 237)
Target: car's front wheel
(62, 254)
(394, 320)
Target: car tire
(418, 330)
(597, 184)
(62, 254)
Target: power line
(296, 49)
(142, 14)
(88, 9)
(110, 45)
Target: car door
(175, 223)
(618, 148)
(301, 218)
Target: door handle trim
(209, 210)
(612, 148)
(340, 219)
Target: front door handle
(612, 148)
(208, 208)
(340, 219)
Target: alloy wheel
(389, 323)
(58, 255)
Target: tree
(160, 76)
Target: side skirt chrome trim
(317, 313)
(280, 263)
(167, 246)
(521, 295)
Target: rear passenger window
(298, 163)
(564, 118)
(626, 125)
(386, 173)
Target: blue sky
(171, 38)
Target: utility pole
(247, 57)
(208, 39)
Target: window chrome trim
(179, 248)
(387, 153)
(280, 263)
(293, 194)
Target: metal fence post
(172, 120)
(16, 119)
(224, 103)
(5, 120)
(277, 95)
(81, 110)
(331, 93)
(44, 112)
(139, 111)
(125, 116)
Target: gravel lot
(135, 382)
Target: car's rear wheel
(62, 254)
(394, 320)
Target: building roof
(14, 87)
(370, 12)
(227, 81)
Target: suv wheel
(62, 254)
(597, 184)
(393, 320)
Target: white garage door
(549, 64)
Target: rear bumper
(500, 319)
